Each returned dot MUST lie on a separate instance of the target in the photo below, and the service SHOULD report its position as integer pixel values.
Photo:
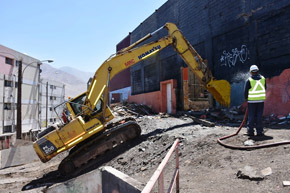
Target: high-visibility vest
(257, 91)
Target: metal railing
(158, 174)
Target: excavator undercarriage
(114, 134)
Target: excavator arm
(220, 89)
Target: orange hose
(247, 147)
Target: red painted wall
(157, 100)
(151, 99)
(115, 97)
(278, 94)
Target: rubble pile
(278, 119)
(230, 116)
(131, 109)
(233, 115)
(236, 114)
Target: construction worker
(255, 94)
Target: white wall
(30, 91)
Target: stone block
(17, 155)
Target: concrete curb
(18, 155)
(103, 180)
(116, 181)
(89, 182)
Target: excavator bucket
(221, 91)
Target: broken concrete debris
(249, 142)
(252, 173)
(267, 171)
(201, 121)
(278, 119)
(231, 117)
(128, 109)
(286, 183)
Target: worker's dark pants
(255, 113)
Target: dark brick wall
(273, 41)
(231, 34)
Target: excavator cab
(76, 107)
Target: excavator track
(96, 147)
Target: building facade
(9, 87)
(231, 36)
(33, 101)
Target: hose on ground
(247, 147)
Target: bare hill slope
(74, 80)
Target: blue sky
(75, 33)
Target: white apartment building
(52, 94)
(9, 86)
(32, 96)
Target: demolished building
(231, 36)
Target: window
(8, 61)
(8, 83)
(7, 129)
(52, 87)
(50, 108)
(51, 120)
(52, 97)
(7, 106)
(16, 84)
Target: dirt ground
(205, 165)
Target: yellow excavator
(88, 129)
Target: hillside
(75, 80)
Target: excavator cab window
(98, 107)
(78, 102)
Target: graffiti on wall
(229, 59)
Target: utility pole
(46, 103)
(19, 91)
